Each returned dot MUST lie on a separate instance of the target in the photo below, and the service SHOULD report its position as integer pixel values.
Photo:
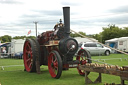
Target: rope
(2, 67)
(99, 42)
(11, 65)
(100, 61)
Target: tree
(124, 32)
(6, 38)
(110, 32)
(22, 37)
(31, 37)
(98, 37)
(1, 39)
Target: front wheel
(84, 57)
(55, 64)
(107, 53)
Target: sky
(89, 16)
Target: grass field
(15, 75)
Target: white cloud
(17, 16)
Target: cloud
(121, 9)
(49, 12)
(84, 17)
(71, 3)
(117, 20)
(43, 20)
(10, 2)
(13, 31)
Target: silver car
(95, 48)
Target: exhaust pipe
(66, 14)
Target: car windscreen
(98, 45)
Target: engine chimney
(66, 14)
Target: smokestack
(66, 14)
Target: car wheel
(107, 52)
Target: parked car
(19, 55)
(95, 48)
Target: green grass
(113, 59)
(17, 76)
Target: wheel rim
(107, 52)
(27, 55)
(53, 65)
(83, 60)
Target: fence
(10, 63)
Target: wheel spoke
(29, 47)
(52, 58)
(82, 58)
(30, 64)
(55, 64)
(28, 60)
(54, 70)
(26, 51)
(30, 51)
(55, 60)
(30, 54)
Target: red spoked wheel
(84, 57)
(55, 64)
(30, 52)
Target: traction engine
(55, 49)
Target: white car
(95, 48)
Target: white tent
(16, 46)
(118, 43)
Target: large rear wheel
(30, 54)
(84, 57)
(55, 64)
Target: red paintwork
(52, 69)
(28, 60)
(45, 37)
(82, 59)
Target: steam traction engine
(55, 49)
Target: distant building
(16, 46)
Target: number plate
(73, 65)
